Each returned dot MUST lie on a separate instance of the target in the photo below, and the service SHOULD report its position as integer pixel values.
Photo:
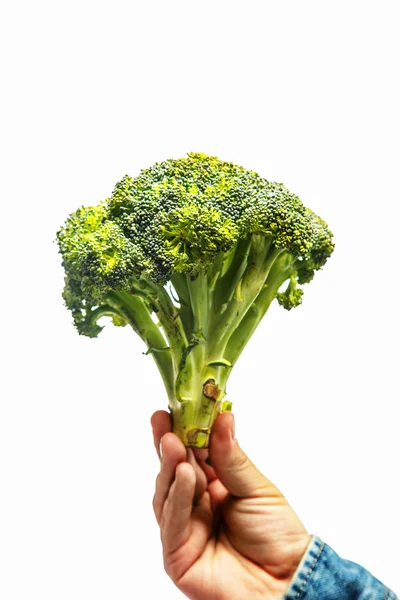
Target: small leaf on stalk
(151, 350)
(220, 362)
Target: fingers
(173, 453)
(175, 524)
(218, 493)
(201, 478)
(201, 453)
(208, 470)
(161, 424)
(234, 469)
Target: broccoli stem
(179, 282)
(193, 418)
(104, 310)
(278, 274)
(207, 334)
(217, 337)
(134, 310)
(200, 387)
(198, 296)
(261, 258)
(168, 317)
(234, 269)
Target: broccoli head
(202, 246)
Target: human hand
(227, 532)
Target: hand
(227, 532)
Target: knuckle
(173, 565)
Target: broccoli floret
(292, 296)
(204, 246)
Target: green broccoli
(190, 254)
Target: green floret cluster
(205, 246)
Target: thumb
(232, 466)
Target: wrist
(284, 579)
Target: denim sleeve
(323, 575)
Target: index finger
(161, 424)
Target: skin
(227, 532)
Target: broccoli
(190, 254)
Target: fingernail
(190, 456)
(160, 449)
(233, 428)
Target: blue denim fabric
(323, 575)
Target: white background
(302, 92)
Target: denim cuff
(323, 575)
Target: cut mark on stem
(211, 390)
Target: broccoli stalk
(190, 254)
